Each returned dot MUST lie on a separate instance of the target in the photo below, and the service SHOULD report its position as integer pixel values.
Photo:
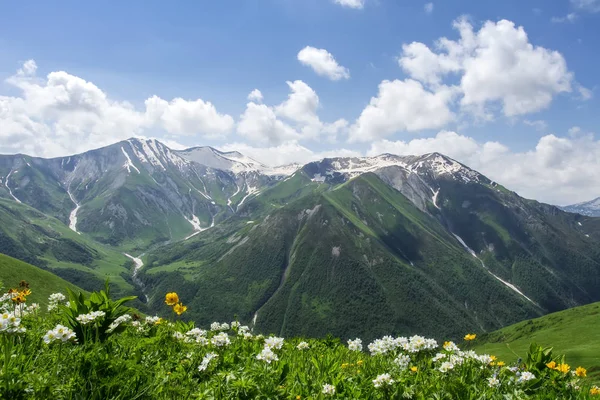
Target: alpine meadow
(182, 216)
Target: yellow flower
(298, 397)
(179, 308)
(359, 363)
(494, 358)
(470, 336)
(564, 368)
(551, 365)
(581, 372)
(414, 369)
(171, 299)
(158, 321)
(595, 390)
(500, 363)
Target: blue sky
(220, 51)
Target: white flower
(220, 340)
(235, 324)
(328, 390)
(179, 335)
(117, 322)
(355, 345)
(303, 346)
(438, 357)
(493, 382)
(525, 376)
(446, 366)
(54, 300)
(59, 333)
(202, 341)
(9, 323)
(484, 359)
(402, 361)
(85, 319)
(383, 380)
(450, 346)
(243, 330)
(267, 355)
(206, 360)
(274, 342)
(215, 326)
(33, 307)
(224, 326)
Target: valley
(343, 246)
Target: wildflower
(493, 382)
(446, 366)
(303, 346)
(402, 361)
(267, 355)
(215, 326)
(85, 319)
(179, 308)
(438, 357)
(59, 334)
(525, 376)
(54, 300)
(34, 307)
(235, 324)
(581, 372)
(117, 322)
(500, 363)
(220, 340)
(224, 326)
(564, 368)
(179, 335)
(328, 390)
(470, 336)
(595, 390)
(274, 342)
(450, 346)
(360, 363)
(383, 380)
(171, 299)
(355, 345)
(414, 369)
(551, 365)
(206, 360)
(153, 320)
(9, 323)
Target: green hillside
(42, 283)
(574, 332)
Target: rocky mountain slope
(349, 246)
(590, 208)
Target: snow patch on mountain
(128, 164)
(9, 190)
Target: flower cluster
(414, 344)
(216, 326)
(206, 360)
(383, 380)
(220, 340)
(172, 300)
(55, 300)
(267, 354)
(60, 334)
(328, 390)
(303, 346)
(123, 319)
(355, 345)
(85, 319)
(9, 323)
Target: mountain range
(347, 246)
(590, 208)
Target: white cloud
(323, 63)
(571, 17)
(294, 119)
(255, 96)
(496, 64)
(539, 125)
(428, 8)
(402, 106)
(559, 170)
(286, 153)
(64, 114)
(587, 5)
(357, 4)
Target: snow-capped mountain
(590, 208)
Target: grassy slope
(47, 242)
(574, 332)
(42, 283)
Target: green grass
(42, 283)
(574, 332)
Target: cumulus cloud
(558, 170)
(64, 114)
(255, 96)
(402, 106)
(323, 63)
(495, 65)
(357, 4)
(539, 125)
(294, 119)
(428, 8)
